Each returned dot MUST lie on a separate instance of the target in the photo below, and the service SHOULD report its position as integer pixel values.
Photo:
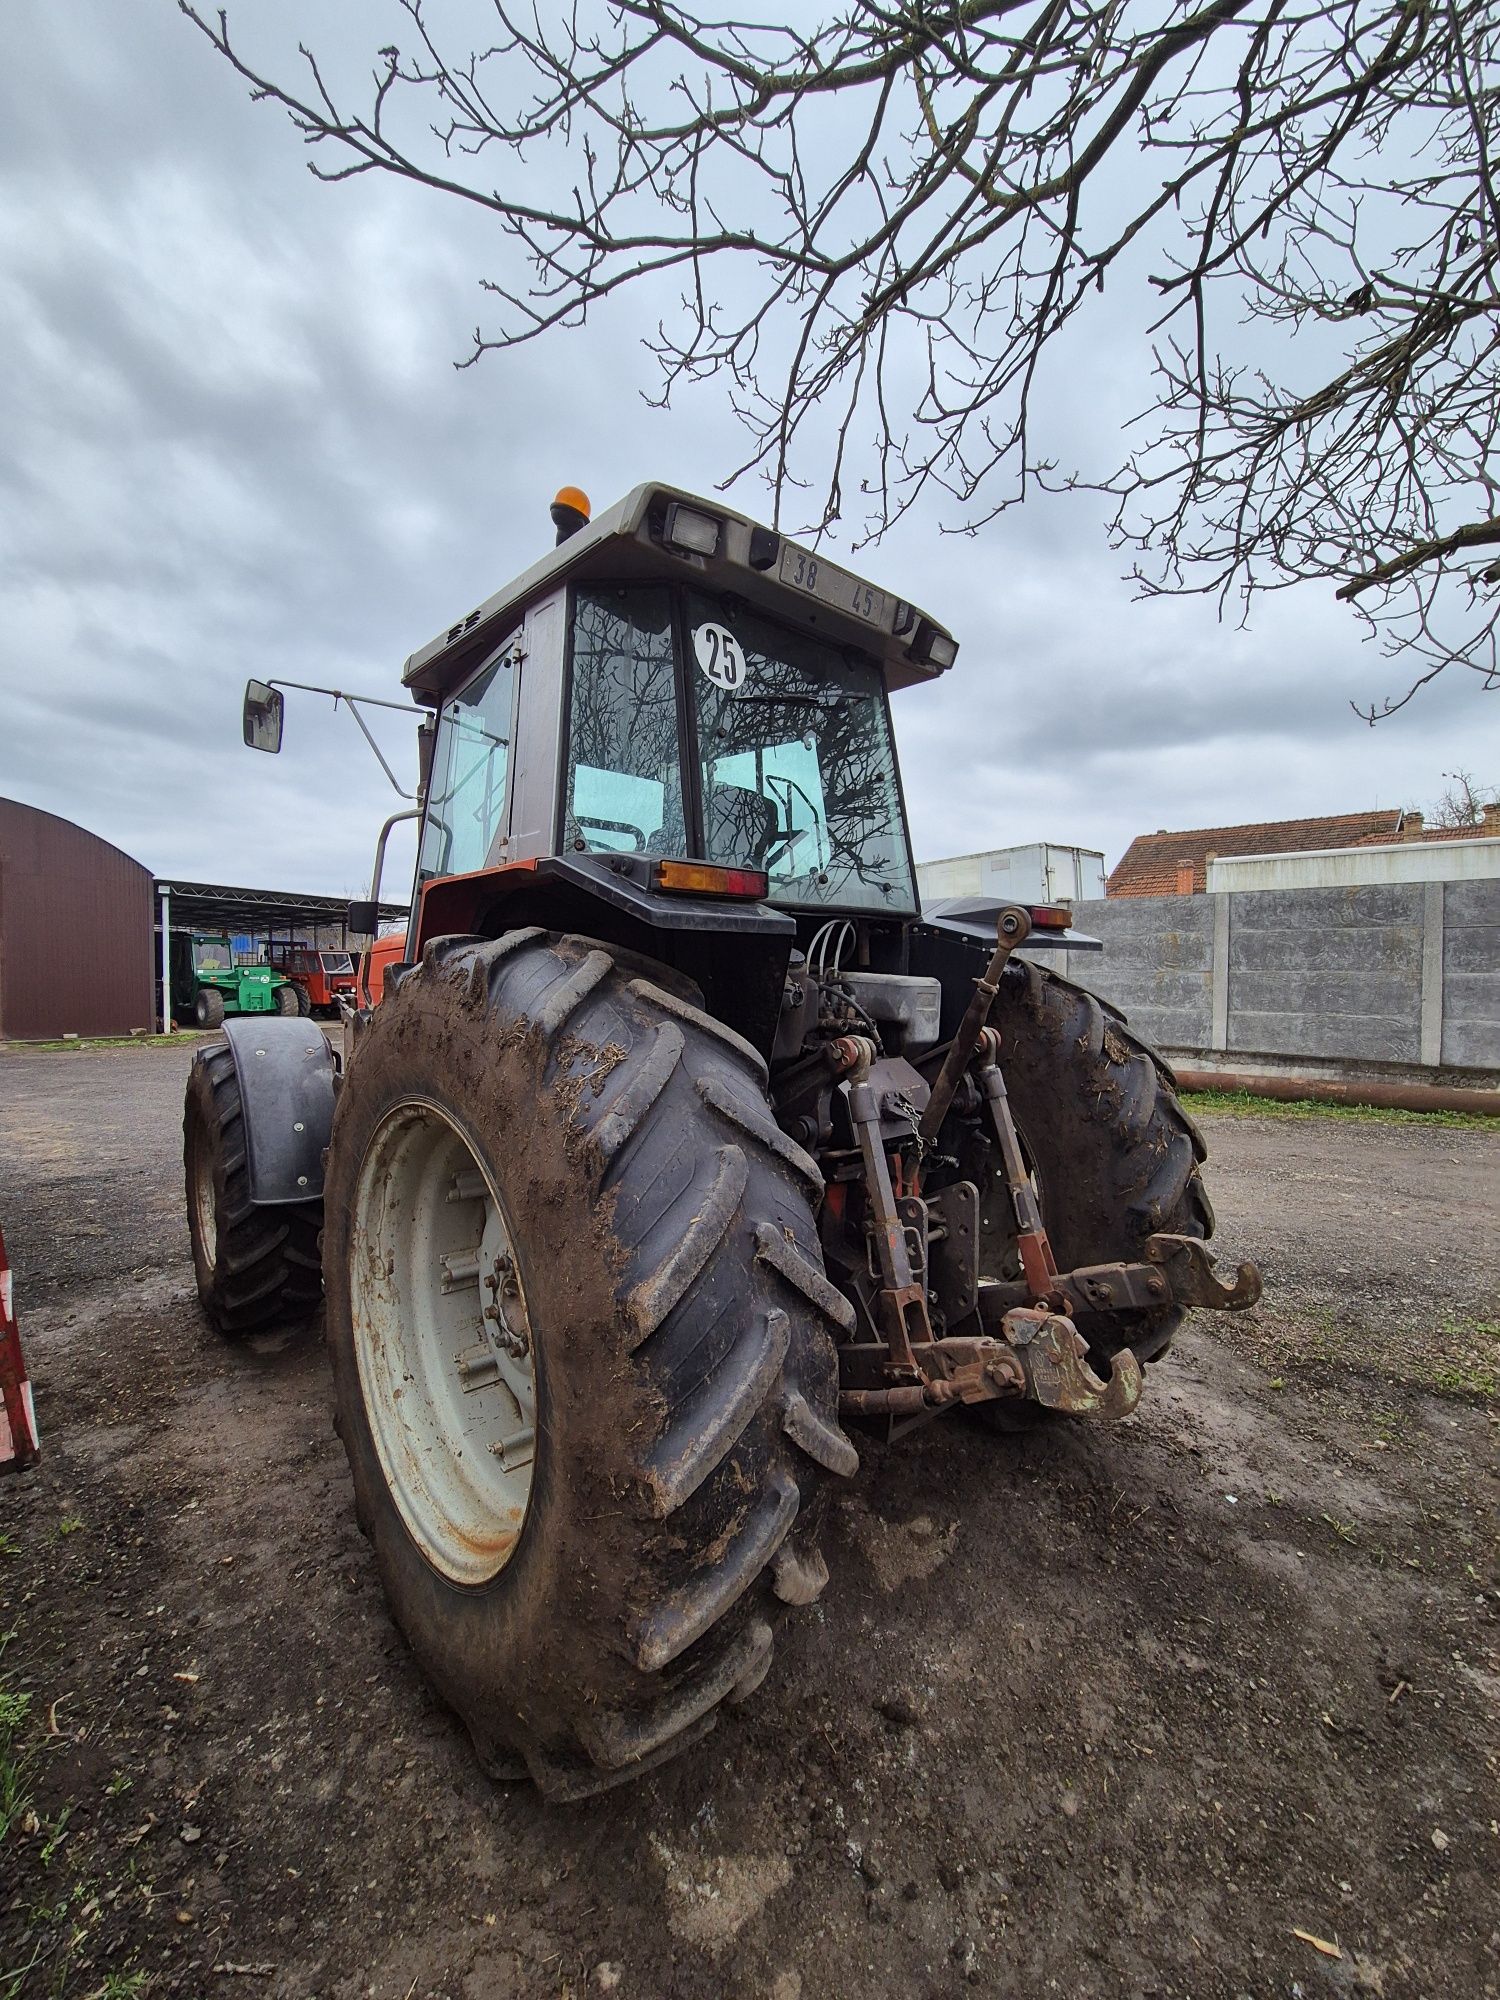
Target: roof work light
(692, 533)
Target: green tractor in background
(207, 985)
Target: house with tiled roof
(1176, 864)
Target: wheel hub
(443, 1341)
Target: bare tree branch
(881, 223)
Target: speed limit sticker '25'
(719, 657)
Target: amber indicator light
(701, 878)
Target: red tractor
(320, 977)
(680, 1146)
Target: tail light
(702, 878)
(1049, 917)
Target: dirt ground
(1091, 1712)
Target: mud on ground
(1086, 1713)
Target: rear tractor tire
(208, 1008)
(1114, 1154)
(255, 1267)
(582, 1352)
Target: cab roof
(645, 537)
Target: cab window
(471, 758)
(797, 768)
(624, 783)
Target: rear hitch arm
(1011, 929)
(1041, 1357)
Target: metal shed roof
(217, 906)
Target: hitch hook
(1053, 1355)
(1190, 1270)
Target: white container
(1040, 873)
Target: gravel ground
(1208, 1704)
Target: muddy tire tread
(267, 1269)
(1154, 1148)
(677, 1146)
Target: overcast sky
(233, 443)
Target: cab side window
(624, 791)
(471, 759)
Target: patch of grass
(57, 1046)
(1241, 1104)
(70, 1524)
(9, 1546)
(123, 1986)
(15, 1786)
(1470, 1365)
(57, 1833)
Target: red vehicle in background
(319, 976)
(18, 1439)
(386, 951)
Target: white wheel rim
(205, 1212)
(443, 1342)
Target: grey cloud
(235, 443)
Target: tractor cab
(697, 687)
(676, 710)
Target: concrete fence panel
(1471, 975)
(1402, 974)
(1327, 972)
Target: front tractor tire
(256, 1267)
(287, 1002)
(208, 1008)
(582, 1350)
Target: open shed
(269, 915)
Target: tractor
(318, 977)
(207, 985)
(678, 1150)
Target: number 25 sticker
(719, 658)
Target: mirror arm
(401, 791)
(354, 703)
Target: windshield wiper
(786, 701)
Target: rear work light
(694, 533)
(702, 878)
(933, 647)
(1049, 917)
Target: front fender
(285, 1069)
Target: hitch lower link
(1039, 1353)
(1041, 1356)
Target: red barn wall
(75, 931)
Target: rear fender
(735, 952)
(286, 1069)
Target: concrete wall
(1476, 859)
(1471, 975)
(1386, 975)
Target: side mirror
(364, 919)
(264, 707)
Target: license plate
(832, 585)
